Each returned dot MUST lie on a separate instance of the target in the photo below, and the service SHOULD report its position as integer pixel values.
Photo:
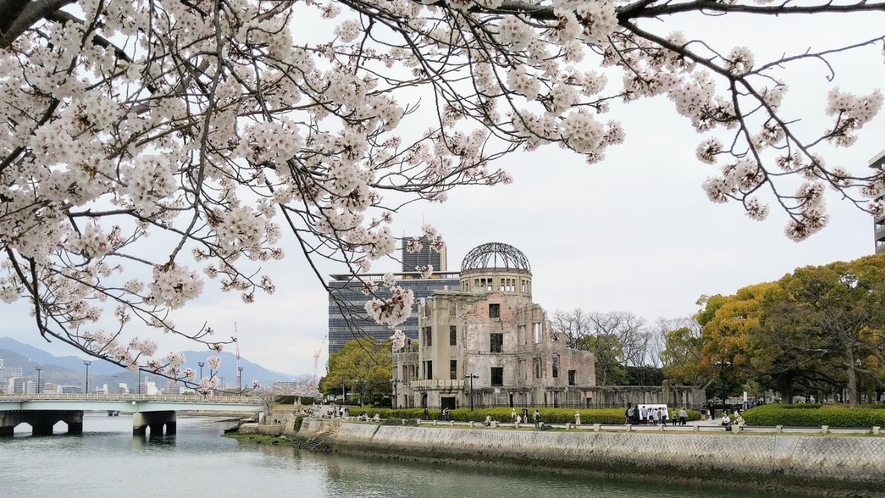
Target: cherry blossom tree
(152, 147)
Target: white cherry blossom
(150, 147)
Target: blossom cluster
(174, 285)
(393, 310)
(217, 124)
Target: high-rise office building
(426, 256)
(347, 312)
(878, 163)
(9, 372)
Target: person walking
(513, 415)
(628, 414)
(537, 418)
(683, 416)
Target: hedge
(609, 416)
(814, 416)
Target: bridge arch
(42, 422)
(154, 413)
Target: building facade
(347, 313)
(878, 163)
(9, 372)
(486, 343)
(426, 256)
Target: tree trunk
(786, 389)
(852, 377)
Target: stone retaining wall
(813, 464)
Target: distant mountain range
(70, 370)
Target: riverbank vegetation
(816, 415)
(816, 335)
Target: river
(107, 461)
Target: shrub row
(549, 415)
(814, 416)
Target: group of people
(336, 411)
(728, 422)
(653, 415)
(515, 418)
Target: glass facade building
(424, 257)
(878, 163)
(347, 313)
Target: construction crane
(239, 367)
(316, 359)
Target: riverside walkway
(695, 426)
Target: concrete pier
(155, 421)
(41, 421)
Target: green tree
(835, 314)
(618, 339)
(682, 355)
(726, 322)
(645, 375)
(610, 369)
(363, 365)
(788, 347)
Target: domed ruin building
(488, 344)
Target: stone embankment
(814, 464)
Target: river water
(107, 461)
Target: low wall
(267, 430)
(810, 464)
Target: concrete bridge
(154, 412)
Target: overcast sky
(635, 232)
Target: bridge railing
(177, 398)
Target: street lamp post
(87, 363)
(240, 380)
(201, 364)
(722, 365)
(39, 370)
(471, 377)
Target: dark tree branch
(30, 14)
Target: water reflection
(139, 441)
(353, 475)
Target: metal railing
(437, 384)
(177, 398)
